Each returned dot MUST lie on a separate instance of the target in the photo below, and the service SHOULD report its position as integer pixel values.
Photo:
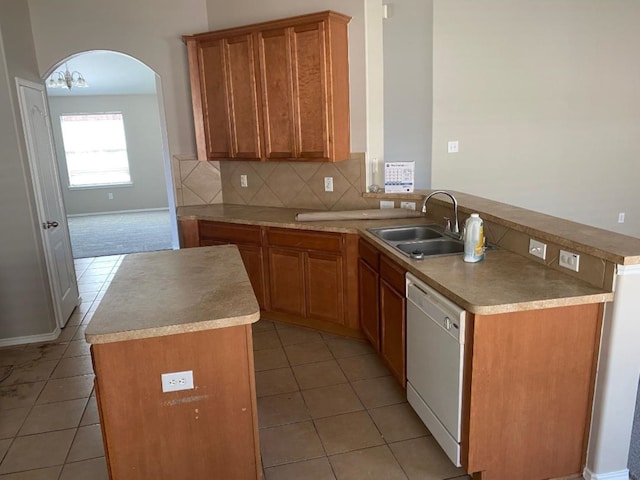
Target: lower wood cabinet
(299, 276)
(383, 307)
(307, 274)
(248, 238)
(528, 390)
(149, 434)
(368, 286)
(286, 281)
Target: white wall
(148, 30)
(26, 306)
(224, 14)
(543, 97)
(144, 148)
(407, 85)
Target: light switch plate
(243, 181)
(408, 205)
(387, 204)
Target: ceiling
(107, 73)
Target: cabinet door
(242, 88)
(274, 47)
(286, 281)
(393, 330)
(309, 61)
(253, 263)
(213, 107)
(324, 280)
(368, 280)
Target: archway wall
(148, 30)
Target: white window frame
(88, 149)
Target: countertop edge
(121, 336)
(539, 304)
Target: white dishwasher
(435, 354)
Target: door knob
(46, 225)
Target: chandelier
(67, 79)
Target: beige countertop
(503, 282)
(175, 291)
(611, 246)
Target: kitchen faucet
(456, 229)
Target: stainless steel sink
(431, 248)
(408, 233)
(418, 241)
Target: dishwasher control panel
(440, 309)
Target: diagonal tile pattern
(272, 184)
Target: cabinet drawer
(323, 241)
(369, 254)
(392, 273)
(229, 232)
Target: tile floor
(328, 408)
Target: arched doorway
(108, 126)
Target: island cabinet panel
(248, 238)
(383, 307)
(184, 434)
(286, 88)
(529, 380)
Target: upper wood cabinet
(272, 91)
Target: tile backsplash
(196, 182)
(273, 184)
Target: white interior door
(53, 219)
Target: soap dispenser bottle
(473, 239)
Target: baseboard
(46, 337)
(140, 210)
(619, 475)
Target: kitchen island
(177, 311)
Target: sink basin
(408, 233)
(430, 248)
(419, 241)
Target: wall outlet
(621, 217)
(110, 196)
(243, 181)
(328, 184)
(569, 260)
(176, 381)
(408, 205)
(452, 146)
(387, 204)
(537, 249)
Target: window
(96, 149)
